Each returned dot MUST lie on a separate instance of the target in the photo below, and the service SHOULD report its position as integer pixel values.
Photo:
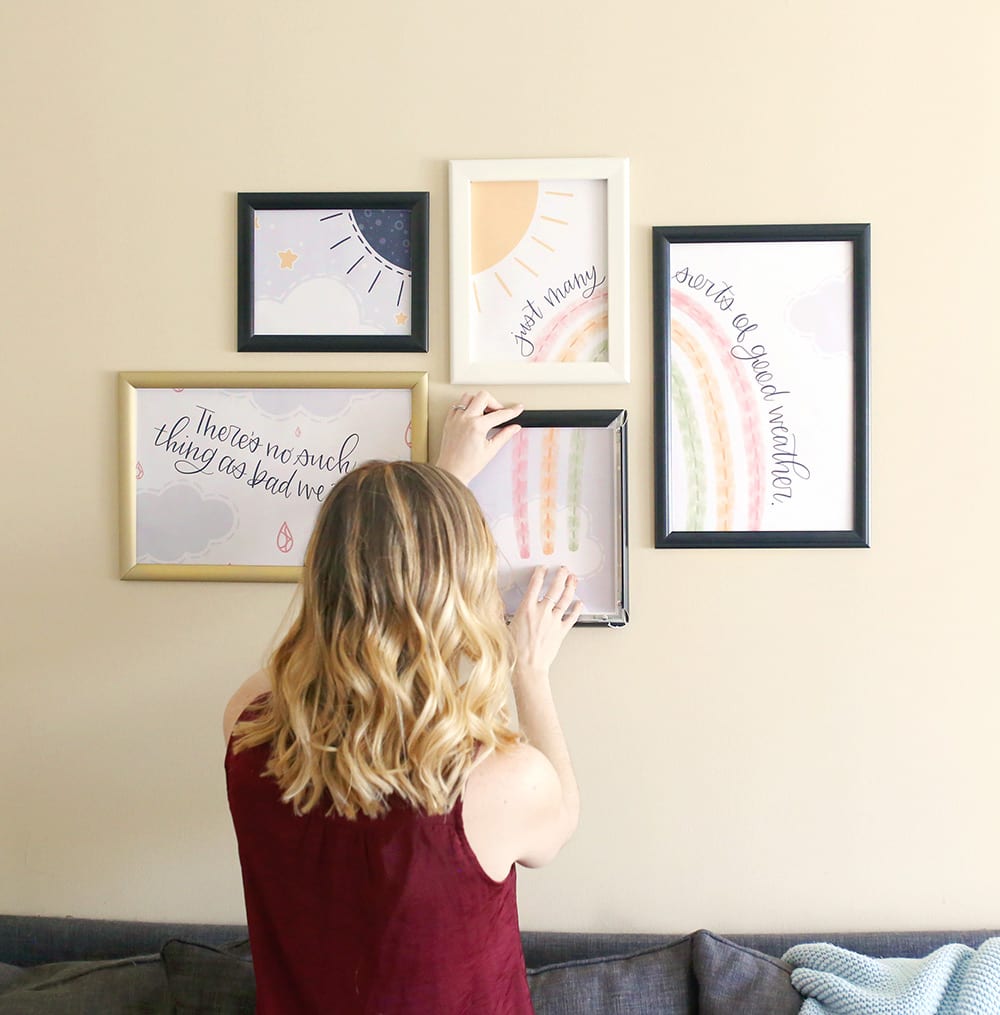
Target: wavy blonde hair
(393, 678)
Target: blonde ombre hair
(393, 678)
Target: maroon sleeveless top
(387, 915)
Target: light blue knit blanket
(954, 980)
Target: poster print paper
(539, 262)
(332, 271)
(552, 498)
(233, 478)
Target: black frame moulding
(417, 203)
(664, 237)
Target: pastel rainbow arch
(579, 332)
(717, 424)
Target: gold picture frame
(219, 474)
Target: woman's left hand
(466, 446)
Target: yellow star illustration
(401, 318)
(288, 258)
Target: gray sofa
(67, 966)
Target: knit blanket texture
(953, 980)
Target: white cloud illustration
(325, 404)
(320, 306)
(515, 570)
(824, 315)
(179, 523)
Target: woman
(379, 796)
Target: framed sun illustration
(539, 271)
(343, 272)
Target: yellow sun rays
(503, 216)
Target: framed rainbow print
(539, 271)
(222, 475)
(332, 272)
(761, 338)
(557, 495)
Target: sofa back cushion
(733, 978)
(136, 985)
(202, 978)
(653, 980)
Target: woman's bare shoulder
(511, 806)
(252, 687)
(519, 769)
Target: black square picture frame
(332, 271)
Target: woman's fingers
(570, 618)
(502, 436)
(563, 602)
(534, 591)
(476, 405)
(497, 417)
(558, 584)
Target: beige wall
(783, 739)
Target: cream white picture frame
(539, 271)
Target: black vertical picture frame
(720, 300)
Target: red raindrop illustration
(408, 437)
(285, 541)
(298, 431)
(139, 472)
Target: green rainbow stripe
(694, 462)
(715, 422)
(575, 486)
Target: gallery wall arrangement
(760, 380)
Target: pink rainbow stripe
(596, 306)
(550, 479)
(520, 494)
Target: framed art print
(332, 272)
(556, 495)
(222, 475)
(539, 271)
(761, 337)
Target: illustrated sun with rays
(505, 224)
(377, 243)
(333, 271)
(538, 259)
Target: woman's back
(390, 914)
(378, 792)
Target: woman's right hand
(543, 620)
(466, 447)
